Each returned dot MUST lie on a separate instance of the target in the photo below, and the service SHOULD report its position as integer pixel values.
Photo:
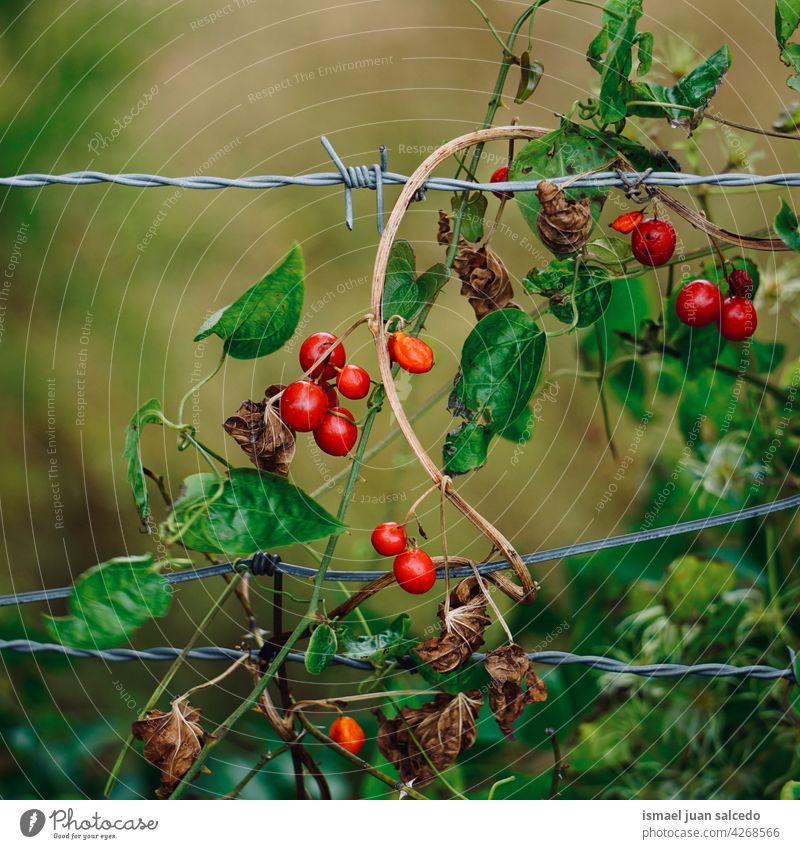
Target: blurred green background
(106, 286)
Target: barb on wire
(265, 564)
(376, 176)
(547, 658)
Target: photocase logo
(31, 822)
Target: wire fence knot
(359, 177)
(262, 564)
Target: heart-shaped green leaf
(404, 293)
(109, 601)
(501, 363)
(246, 511)
(787, 226)
(262, 319)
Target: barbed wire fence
(376, 177)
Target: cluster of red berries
(413, 568)
(312, 404)
(700, 303)
(653, 240)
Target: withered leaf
(443, 728)
(262, 434)
(172, 742)
(462, 628)
(507, 667)
(564, 224)
(484, 279)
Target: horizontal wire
(363, 177)
(547, 658)
(575, 549)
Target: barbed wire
(547, 658)
(376, 176)
(263, 563)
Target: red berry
(303, 405)
(699, 303)
(330, 394)
(738, 320)
(627, 222)
(389, 539)
(314, 347)
(653, 242)
(337, 433)
(740, 284)
(348, 734)
(501, 176)
(353, 382)
(410, 353)
(414, 571)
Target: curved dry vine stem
(526, 592)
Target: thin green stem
(259, 765)
(196, 387)
(502, 781)
(171, 672)
(498, 38)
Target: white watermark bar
(598, 824)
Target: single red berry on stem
(740, 284)
(314, 347)
(501, 176)
(337, 433)
(653, 242)
(389, 539)
(410, 353)
(699, 303)
(353, 382)
(414, 571)
(303, 405)
(348, 734)
(738, 320)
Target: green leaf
(787, 18)
(321, 648)
(262, 319)
(466, 448)
(521, 428)
(574, 149)
(644, 41)
(244, 512)
(791, 791)
(592, 290)
(787, 226)
(109, 601)
(611, 249)
(501, 363)
(149, 413)
(694, 90)
(380, 647)
(693, 584)
(529, 78)
(474, 211)
(403, 294)
(700, 348)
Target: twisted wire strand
(366, 177)
(548, 658)
(267, 564)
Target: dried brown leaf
(462, 628)
(262, 434)
(508, 666)
(484, 279)
(172, 742)
(563, 224)
(421, 741)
